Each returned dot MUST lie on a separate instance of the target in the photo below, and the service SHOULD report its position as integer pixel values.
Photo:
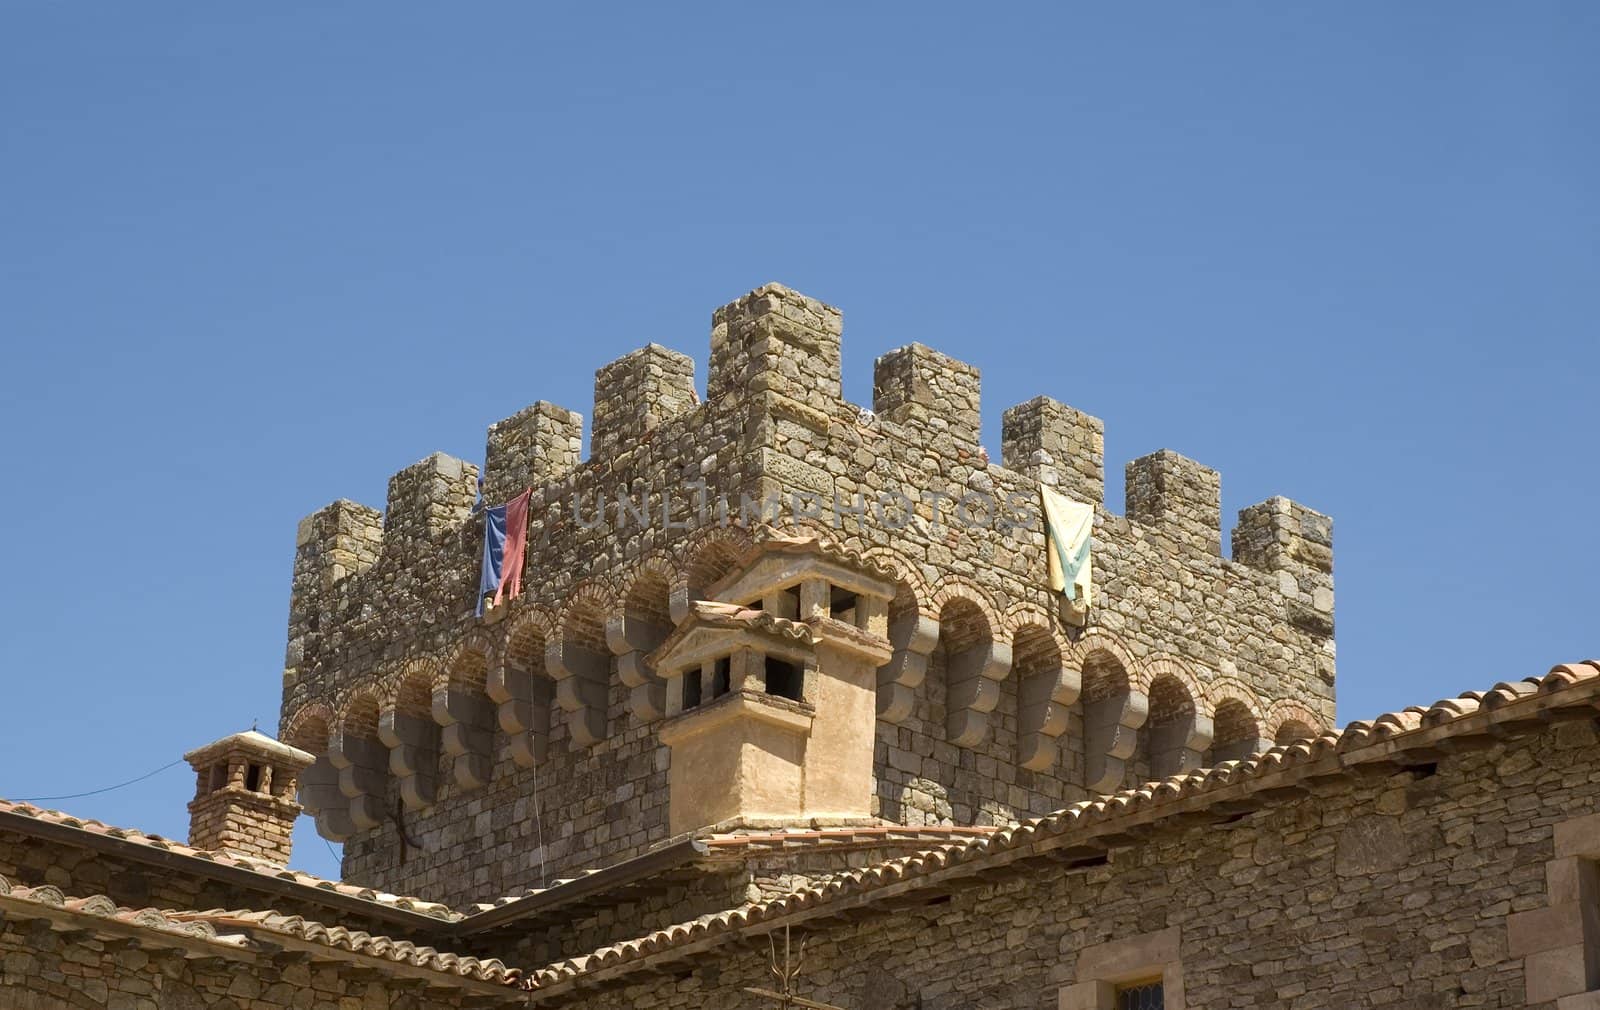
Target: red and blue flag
(505, 546)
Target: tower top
(769, 605)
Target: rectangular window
(785, 679)
(722, 677)
(691, 689)
(842, 605)
(1145, 996)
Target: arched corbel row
(636, 628)
(977, 659)
(1178, 730)
(1047, 685)
(362, 762)
(580, 663)
(407, 728)
(1113, 711)
(521, 689)
(461, 707)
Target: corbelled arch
(706, 557)
(1288, 720)
(640, 622)
(1047, 685)
(521, 687)
(1113, 709)
(1237, 730)
(913, 634)
(977, 657)
(1224, 688)
(360, 757)
(407, 728)
(461, 706)
(310, 728)
(1099, 640)
(1177, 732)
(579, 661)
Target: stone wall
(1419, 888)
(32, 862)
(1448, 884)
(44, 970)
(466, 758)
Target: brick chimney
(244, 802)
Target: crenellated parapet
(469, 756)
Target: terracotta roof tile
(819, 838)
(233, 928)
(130, 836)
(1581, 681)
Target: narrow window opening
(791, 603)
(252, 778)
(219, 777)
(691, 689)
(785, 680)
(722, 676)
(842, 605)
(1144, 996)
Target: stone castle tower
(774, 608)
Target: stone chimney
(244, 802)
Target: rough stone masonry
(786, 665)
(466, 757)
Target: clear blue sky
(254, 259)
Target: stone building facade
(461, 739)
(853, 716)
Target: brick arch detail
(425, 669)
(905, 574)
(1179, 670)
(536, 619)
(1289, 710)
(477, 642)
(1099, 640)
(295, 726)
(1225, 688)
(951, 590)
(364, 693)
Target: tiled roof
(1409, 733)
(694, 853)
(155, 843)
(1083, 831)
(356, 942)
(770, 540)
(236, 932)
(20, 901)
(707, 613)
(792, 839)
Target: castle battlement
(465, 757)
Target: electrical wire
(97, 792)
